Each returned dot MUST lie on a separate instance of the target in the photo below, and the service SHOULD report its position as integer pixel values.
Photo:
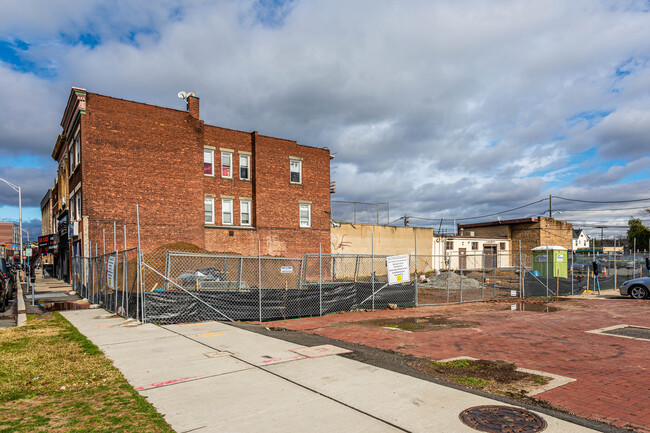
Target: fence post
(460, 277)
(634, 261)
(259, 276)
(356, 269)
(241, 265)
(483, 276)
(320, 278)
(124, 279)
(521, 274)
(139, 270)
(415, 234)
(546, 270)
(448, 276)
(372, 268)
(615, 267)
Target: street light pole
(20, 217)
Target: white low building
(470, 253)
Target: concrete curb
(21, 316)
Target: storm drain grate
(502, 419)
(631, 331)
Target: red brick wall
(139, 153)
(275, 200)
(135, 153)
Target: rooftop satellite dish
(499, 218)
(182, 95)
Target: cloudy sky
(445, 109)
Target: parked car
(638, 288)
(202, 278)
(7, 283)
(576, 266)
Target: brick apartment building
(9, 235)
(217, 188)
(532, 232)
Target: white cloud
(438, 107)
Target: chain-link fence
(109, 280)
(169, 286)
(185, 286)
(456, 278)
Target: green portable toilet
(550, 260)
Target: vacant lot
(611, 372)
(54, 380)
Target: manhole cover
(502, 419)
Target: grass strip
(53, 379)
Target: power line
(483, 216)
(599, 210)
(594, 201)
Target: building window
(475, 245)
(208, 162)
(295, 166)
(71, 160)
(226, 211)
(226, 164)
(245, 212)
(72, 211)
(77, 149)
(208, 203)
(449, 245)
(305, 215)
(244, 167)
(502, 245)
(77, 207)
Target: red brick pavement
(613, 380)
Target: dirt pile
(451, 280)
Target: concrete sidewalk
(213, 377)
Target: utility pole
(601, 239)
(550, 206)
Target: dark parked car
(7, 283)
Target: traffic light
(596, 267)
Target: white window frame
(71, 206)
(241, 212)
(291, 171)
(211, 153)
(210, 200)
(224, 153)
(77, 149)
(225, 201)
(300, 209)
(248, 165)
(77, 206)
(71, 160)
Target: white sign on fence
(398, 269)
(110, 272)
(560, 257)
(286, 270)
